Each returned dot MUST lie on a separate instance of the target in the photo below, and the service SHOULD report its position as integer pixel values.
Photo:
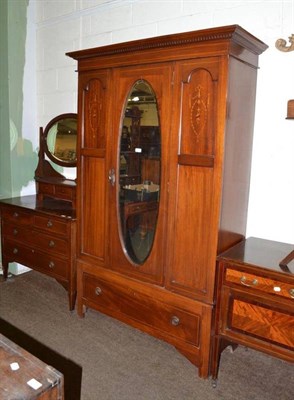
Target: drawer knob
(15, 250)
(247, 282)
(175, 321)
(291, 293)
(98, 291)
(49, 223)
(51, 243)
(15, 214)
(15, 231)
(51, 264)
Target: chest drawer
(51, 224)
(259, 283)
(65, 192)
(256, 318)
(36, 239)
(18, 217)
(60, 191)
(36, 259)
(121, 300)
(46, 188)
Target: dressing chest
(39, 231)
(42, 236)
(255, 299)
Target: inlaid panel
(262, 322)
(94, 113)
(192, 230)
(198, 108)
(93, 208)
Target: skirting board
(15, 269)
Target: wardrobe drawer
(120, 300)
(19, 217)
(36, 239)
(259, 283)
(51, 225)
(36, 259)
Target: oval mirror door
(139, 172)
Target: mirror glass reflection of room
(62, 139)
(139, 165)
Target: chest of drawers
(42, 236)
(255, 300)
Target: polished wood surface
(264, 254)
(204, 84)
(42, 236)
(24, 376)
(255, 300)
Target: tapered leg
(5, 265)
(215, 359)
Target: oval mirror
(139, 172)
(60, 140)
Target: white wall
(66, 25)
(29, 124)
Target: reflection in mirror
(62, 139)
(139, 166)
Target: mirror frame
(54, 159)
(49, 182)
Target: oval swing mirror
(60, 140)
(139, 168)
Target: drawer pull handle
(49, 223)
(51, 264)
(244, 281)
(51, 243)
(98, 291)
(291, 293)
(175, 321)
(15, 250)
(15, 214)
(15, 231)
(277, 289)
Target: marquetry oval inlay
(199, 112)
(93, 114)
(198, 117)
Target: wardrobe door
(193, 205)
(138, 175)
(94, 100)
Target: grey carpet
(122, 363)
